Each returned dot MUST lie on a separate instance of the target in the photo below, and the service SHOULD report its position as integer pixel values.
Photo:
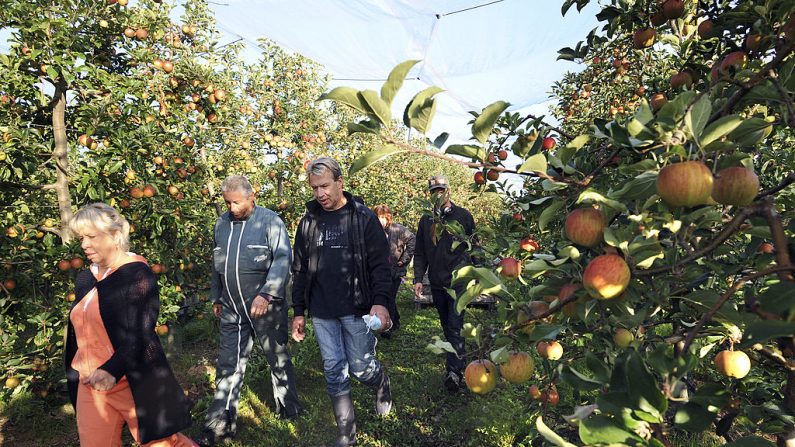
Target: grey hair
(318, 166)
(237, 183)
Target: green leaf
(376, 106)
(534, 163)
(697, 116)
(437, 346)
(348, 96)
(419, 112)
(395, 80)
(719, 146)
(599, 429)
(441, 139)
(372, 157)
(592, 195)
(550, 435)
(366, 126)
(779, 299)
(549, 213)
(749, 131)
(499, 355)
(466, 150)
(719, 128)
(485, 122)
(565, 153)
(643, 388)
(693, 418)
(762, 331)
(577, 379)
(751, 441)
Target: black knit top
(129, 304)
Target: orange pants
(101, 416)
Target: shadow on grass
(424, 413)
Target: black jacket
(439, 259)
(372, 271)
(129, 304)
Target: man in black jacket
(341, 273)
(434, 253)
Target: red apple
(511, 268)
(480, 376)
(644, 38)
(735, 186)
(528, 244)
(673, 9)
(585, 226)
(706, 29)
(657, 101)
(687, 183)
(736, 59)
(548, 143)
(682, 79)
(733, 364)
(550, 350)
(606, 276)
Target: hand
(383, 314)
(299, 328)
(418, 289)
(217, 309)
(100, 380)
(259, 306)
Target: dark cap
(438, 182)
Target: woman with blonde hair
(116, 369)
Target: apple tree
(647, 264)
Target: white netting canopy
(479, 51)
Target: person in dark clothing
(116, 370)
(435, 254)
(250, 272)
(341, 275)
(401, 250)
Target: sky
(479, 51)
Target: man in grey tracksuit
(250, 274)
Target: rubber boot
(346, 420)
(383, 396)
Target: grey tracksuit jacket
(250, 258)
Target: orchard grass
(425, 414)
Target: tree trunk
(61, 157)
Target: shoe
(452, 382)
(292, 416)
(346, 420)
(383, 396)
(207, 438)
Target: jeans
(347, 347)
(452, 323)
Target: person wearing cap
(250, 272)
(434, 254)
(341, 273)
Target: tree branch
(556, 129)
(755, 79)
(720, 238)
(725, 297)
(788, 180)
(470, 164)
